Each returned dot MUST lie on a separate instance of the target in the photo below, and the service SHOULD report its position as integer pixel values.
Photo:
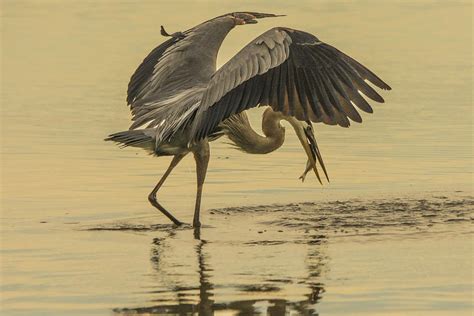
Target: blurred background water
(65, 66)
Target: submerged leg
(201, 155)
(152, 195)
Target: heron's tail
(142, 138)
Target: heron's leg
(152, 195)
(201, 155)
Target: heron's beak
(305, 134)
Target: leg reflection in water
(245, 277)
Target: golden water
(64, 71)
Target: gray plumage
(244, 138)
(180, 101)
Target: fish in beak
(305, 134)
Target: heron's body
(180, 101)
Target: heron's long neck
(241, 133)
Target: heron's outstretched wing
(147, 79)
(181, 63)
(293, 72)
(175, 65)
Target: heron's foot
(153, 201)
(183, 226)
(178, 224)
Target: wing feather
(294, 73)
(178, 67)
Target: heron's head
(305, 134)
(242, 18)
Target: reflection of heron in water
(169, 282)
(180, 102)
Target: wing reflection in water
(242, 277)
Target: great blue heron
(180, 102)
